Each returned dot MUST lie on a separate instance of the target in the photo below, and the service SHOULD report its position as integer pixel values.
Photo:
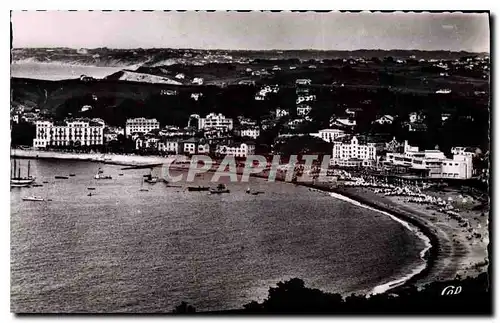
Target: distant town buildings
(140, 125)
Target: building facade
(350, 149)
(80, 132)
(251, 132)
(140, 125)
(432, 163)
(329, 135)
(217, 121)
(237, 150)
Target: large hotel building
(80, 132)
(140, 125)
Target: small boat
(221, 188)
(152, 180)
(198, 188)
(72, 175)
(61, 177)
(257, 193)
(33, 198)
(91, 188)
(99, 176)
(37, 185)
(45, 182)
(121, 174)
(90, 194)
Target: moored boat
(61, 177)
(198, 188)
(33, 198)
(99, 176)
(18, 180)
(221, 188)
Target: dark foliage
(293, 297)
(22, 134)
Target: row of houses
(194, 145)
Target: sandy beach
(117, 159)
(456, 250)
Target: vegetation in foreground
(468, 296)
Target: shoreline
(434, 254)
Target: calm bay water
(57, 71)
(123, 250)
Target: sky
(252, 30)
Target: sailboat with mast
(17, 180)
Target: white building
(352, 150)
(140, 125)
(80, 132)
(385, 119)
(433, 163)
(281, 113)
(303, 82)
(146, 143)
(215, 121)
(415, 117)
(305, 98)
(303, 109)
(343, 122)
(170, 146)
(197, 81)
(236, 150)
(194, 146)
(252, 132)
(466, 151)
(329, 135)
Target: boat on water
(72, 175)
(33, 198)
(45, 182)
(61, 177)
(221, 188)
(198, 188)
(121, 174)
(18, 180)
(248, 191)
(151, 180)
(37, 185)
(90, 194)
(91, 188)
(99, 176)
